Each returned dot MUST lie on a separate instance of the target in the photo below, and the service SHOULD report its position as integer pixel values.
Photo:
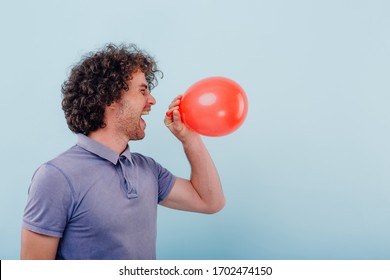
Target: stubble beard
(129, 125)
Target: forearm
(38, 247)
(203, 192)
(204, 175)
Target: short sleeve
(165, 179)
(50, 202)
(165, 182)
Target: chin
(137, 137)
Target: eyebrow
(143, 86)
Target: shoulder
(49, 178)
(73, 155)
(142, 159)
(54, 174)
(147, 162)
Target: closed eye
(144, 90)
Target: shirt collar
(101, 150)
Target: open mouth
(142, 121)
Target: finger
(171, 109)
(174, 119)
(176, 116)
(178, 125)
(174, 105)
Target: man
(98, 200)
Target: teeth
(145, 113)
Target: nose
(151, 100)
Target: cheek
(132, 109)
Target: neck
(111, 140)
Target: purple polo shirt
(102, 205)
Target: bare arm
(36, 246)
(203, 191)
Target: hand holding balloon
(176, 100)
(213, 106)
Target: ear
(112, 106)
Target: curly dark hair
(98, 80)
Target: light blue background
(306, 176)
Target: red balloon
(214, 106)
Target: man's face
(134, 103)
